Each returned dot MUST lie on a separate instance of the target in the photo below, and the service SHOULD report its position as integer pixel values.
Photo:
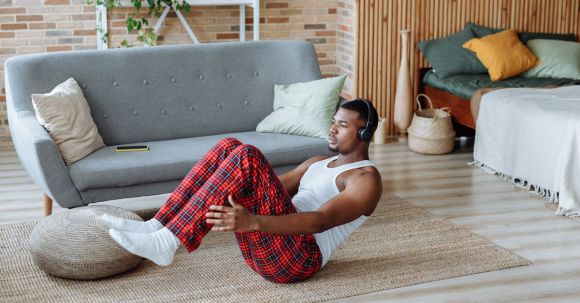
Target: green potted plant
(145, 33)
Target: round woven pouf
(75, 244)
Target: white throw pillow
(65, 114)
(304, 109)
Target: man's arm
(360, 196)
(291, 180)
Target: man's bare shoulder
(303, 167)
(315, 159)
(368, 175)
(368, 186)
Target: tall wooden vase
(404, 92)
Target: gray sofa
(179, 100)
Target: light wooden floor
(447, 187)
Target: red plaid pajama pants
(241, 170)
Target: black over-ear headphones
(366, 133)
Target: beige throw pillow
(65, 114)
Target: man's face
(343, 131)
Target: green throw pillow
(304, 109)
(482, 31)
(525, 37)
(448, 57)
(558, 59)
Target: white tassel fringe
(549, 195)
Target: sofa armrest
(41, 159)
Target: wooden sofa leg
(47, 205)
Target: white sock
(132, 225)
(159, 246)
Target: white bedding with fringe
(531, 138)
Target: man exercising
(287, 227)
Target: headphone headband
(368, 113)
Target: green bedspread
(464, 85)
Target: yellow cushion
(502, 54)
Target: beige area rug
(400, 245)
(554, 207)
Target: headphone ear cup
(364, 134)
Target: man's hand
(235, 218)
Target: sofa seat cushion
(173, 159)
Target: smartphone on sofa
(130, 148)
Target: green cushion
(448, 57)
(465, 85)
(525, 37)
(304, 109)
(558, 59)
(482, 31)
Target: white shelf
(220, 2)
(255, 4)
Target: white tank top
(317, 186)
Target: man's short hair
(358, 105)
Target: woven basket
(75, 244)
(431, 131)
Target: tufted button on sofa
(179, 100)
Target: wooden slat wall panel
(378, 40)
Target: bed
(531, 138)
(528, 120)
(528, 130)
(456, 91)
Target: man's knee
(247, 151)
(229, 142)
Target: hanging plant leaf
(136, 21)
(129, 24)
(136, 4)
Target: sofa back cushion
(168, 92)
